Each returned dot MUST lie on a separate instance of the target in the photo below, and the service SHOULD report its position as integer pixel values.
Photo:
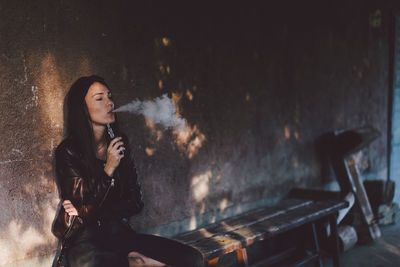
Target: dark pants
(108, 245)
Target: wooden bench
(238, 233)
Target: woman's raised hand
(69, 208)
(115, 152)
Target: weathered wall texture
(257, 85)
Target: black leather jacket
(123, 199)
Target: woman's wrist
(109, 171)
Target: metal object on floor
(347, 237)
(387, 213)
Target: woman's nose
(110, 103)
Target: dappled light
(150, 151)
(227, 227)
(189, 95)
(248, 97)
(151, 125)
(206, 233)
(51, 98)
(19, 240)
(223, 204)
(231, 243)
(51, 92)
(27, 233)
(192, 223)
(200, 185)
(248, 234)
(159, 135)
(190, 140)
(176, 98)
(162, 70)
(287, 132)
(391, 248)
(165, 69)
(165, 41)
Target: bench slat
(243, 220)
(229, 241)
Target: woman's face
(100, 105)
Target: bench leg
(335, 240)
(242, 257)
(316, 244)
(213, 262)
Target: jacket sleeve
(133, 195)
(131, 202)
(74, 184)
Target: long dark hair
(77, 125)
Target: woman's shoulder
(67, 148)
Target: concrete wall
(257, 85)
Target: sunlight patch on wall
(287, 132)
(165, 41)
(248, 97)
(18, 241)
(189, 138)
(189, 95)
(199, 186)
(150, 151)
(52, 93)
(223, 204)
(41, 185)
(193, 223)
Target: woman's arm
(74, 183)
(133, 194)
(131, 202)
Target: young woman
(99, 185)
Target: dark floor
(382, 252)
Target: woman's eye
(99, 99)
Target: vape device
(110, 131)
(111, 134)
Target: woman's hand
(69, 208)
(115, 152)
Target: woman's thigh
(167, 250)
(88, 254)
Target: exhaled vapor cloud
(161, 110)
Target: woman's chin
(105, 122)
(110, 121)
